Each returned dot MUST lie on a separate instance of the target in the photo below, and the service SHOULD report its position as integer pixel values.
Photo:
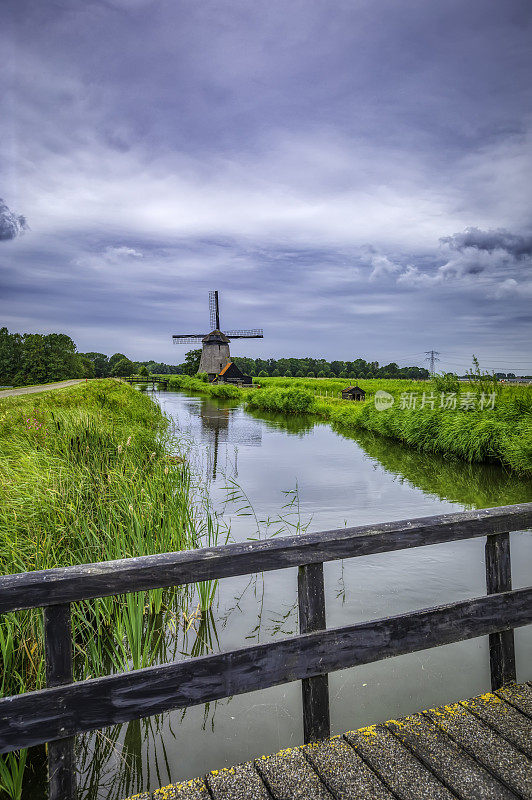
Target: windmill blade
(184, 338)
(214, 311)
(255, 333)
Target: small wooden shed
(353, 393)
(231, 374)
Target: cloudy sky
(352, 175)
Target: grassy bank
(186, 383)
(91, 473)
(474, 422)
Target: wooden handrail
(64, 709)
(86, 581)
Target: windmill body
(215, 355)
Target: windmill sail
(214, 311)
(185, 338)
(255, 333)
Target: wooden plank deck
(479, 749)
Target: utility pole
(432, 356)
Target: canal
(272, 475)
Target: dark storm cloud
(11, 225)
(499, 239)
(304, 158)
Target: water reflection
(217, 423)
(472, 485)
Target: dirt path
(45, 387)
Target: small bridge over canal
(472, 750)
(154, 380)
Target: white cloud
(413, 276)
(511, 288)
(382, 267)
(117, 254)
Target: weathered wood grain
(58, 658)
(187, 790)
(448, 761)
(315, 691)
(50, 714)
(69, 584)
(289, 776)
(396, 766)
(344, 772)
(237, 783)
(503, 718)
(499, 579)
(498, 756)
(519, 696)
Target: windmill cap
(215, 337)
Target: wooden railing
(146, 379)
(65, 708)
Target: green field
(475, 421)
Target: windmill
(215, 353)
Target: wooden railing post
(311, 596)
(499, 579)
(58, 654)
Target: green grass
(332, 387)
(500, 434)
(91, 473)
(189, 384)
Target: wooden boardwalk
(479, 749)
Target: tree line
(42, 358)
(320, 368)
(38, 358)
(31, 358)
(310, 368)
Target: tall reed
(92, 473)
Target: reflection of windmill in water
(223, 426)
(215, 353)
(215, 421)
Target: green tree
(192, 361)
(143, 370)
(87, 366)
(62, 357)
(101, 364)
(49, 358)
(10, 356)
(123, 368)
(115, 358)
(336, 367)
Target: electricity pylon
(432, 356)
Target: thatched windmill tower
(215, 354)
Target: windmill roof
(216, 336)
